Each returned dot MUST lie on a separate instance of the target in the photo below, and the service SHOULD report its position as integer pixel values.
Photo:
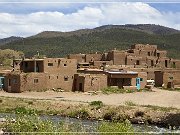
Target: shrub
(130, 103)
(29, 123)
(30, 102)
(110, 115)
(111, 127)
(109, 90)
(97, 104)
(139, 114)
(1, 100)
(23, 110)
(82, 113)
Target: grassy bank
(25, 124)
(95, 110)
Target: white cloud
(89, 17)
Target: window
(166, 63)
(36, 80)
(65, 65)
(57, 77)
(149, 54)
(171, 78)
(49, 77)
(65, 78)
(141, 79)
(158, 54)
(152, 63)
(174, 65)
(137, 62)
(50, 64)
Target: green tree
(7, 56)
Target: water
(91, 125)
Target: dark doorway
(166, 63)
(74, 85)
(170, 85)
(152, 63)
(81, 87)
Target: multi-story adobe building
(129, 69)
(41, 74)
(139, 58)
(138, 55)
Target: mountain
(147, 28)
(9, 40)
(100, 39)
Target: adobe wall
(163, 77)
(62, 81)
(149, 71)
(12, 83)
(143, 76)
(16, 64)
(175, 63)
(164, 62)
(161, 53)
(29, 83)
(173, 75)
(134, 60)
(91, 82)
(145, 47)
(93, 57)
(102, 63)
(95, 82)
(78, 57)
(60, 65)
(118, 57)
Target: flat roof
(122, 72)
(82, 69)
(83, 63)
(29, 59)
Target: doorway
(81, 87)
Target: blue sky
(26, 18)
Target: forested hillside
(101, 39)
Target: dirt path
(157, 97)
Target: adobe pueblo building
(129, 69)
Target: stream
(91, 125)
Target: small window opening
(50, 64)
(36, 80)
(65, 78)
(137, 62)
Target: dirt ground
(157, 97)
